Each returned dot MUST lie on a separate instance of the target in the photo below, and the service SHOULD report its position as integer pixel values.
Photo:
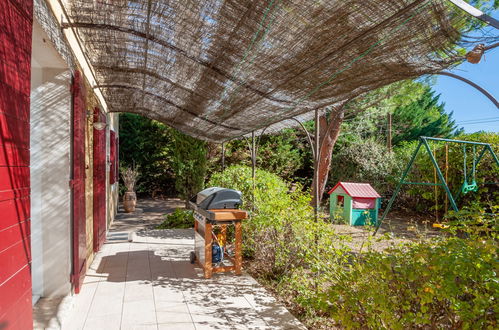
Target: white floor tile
(152, 285)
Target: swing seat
(466, 188)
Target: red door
(78, 181)
(15, 252)
(99, 173)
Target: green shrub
(189, 164)
(444, 283)
(286, 154)
(474, 222)
(178, 219)
(278, 216)
(148, 145)
(280, 154)
(449, 284)
(365, 161)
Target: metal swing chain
(474, 164)
(446, 173)
(464, 167)
(435, 186)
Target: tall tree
(147, 144)
(416, 111)
(423, 117)
(330, 126)
(329, 129)
(189, 164)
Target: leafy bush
(280, 154)
(147, 144)
(445, 283)
(365, 161)
(283, 154)
(169, 161)
(178, 219)
(449, 284)
(189, 165)
(277, 216)
(474, 222)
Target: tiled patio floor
(149, 283)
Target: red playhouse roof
(362, 190)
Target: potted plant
(129, 176)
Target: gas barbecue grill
(217, 198)
(214, 207)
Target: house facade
(58, 161)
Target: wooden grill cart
(217, 207)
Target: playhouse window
(364, 203)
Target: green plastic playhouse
(359, 203)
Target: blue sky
(467, 103)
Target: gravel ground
(395, 230)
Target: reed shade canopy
(220, 69)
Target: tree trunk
(329, 130)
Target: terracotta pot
(129, 201)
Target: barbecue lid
(203, 194)
(218, 198)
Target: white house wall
(50, 169)
(112, 189)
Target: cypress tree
(423, 117)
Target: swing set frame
(423, 142)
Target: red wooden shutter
(78, 181)
(16, 22)
(112, 157)
(99, 173)
(117, 160)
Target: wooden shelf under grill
(227, 214)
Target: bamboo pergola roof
(219, 69)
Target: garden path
(142, 279)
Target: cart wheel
(192, 257)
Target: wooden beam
(227, 215)
(77, 48)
